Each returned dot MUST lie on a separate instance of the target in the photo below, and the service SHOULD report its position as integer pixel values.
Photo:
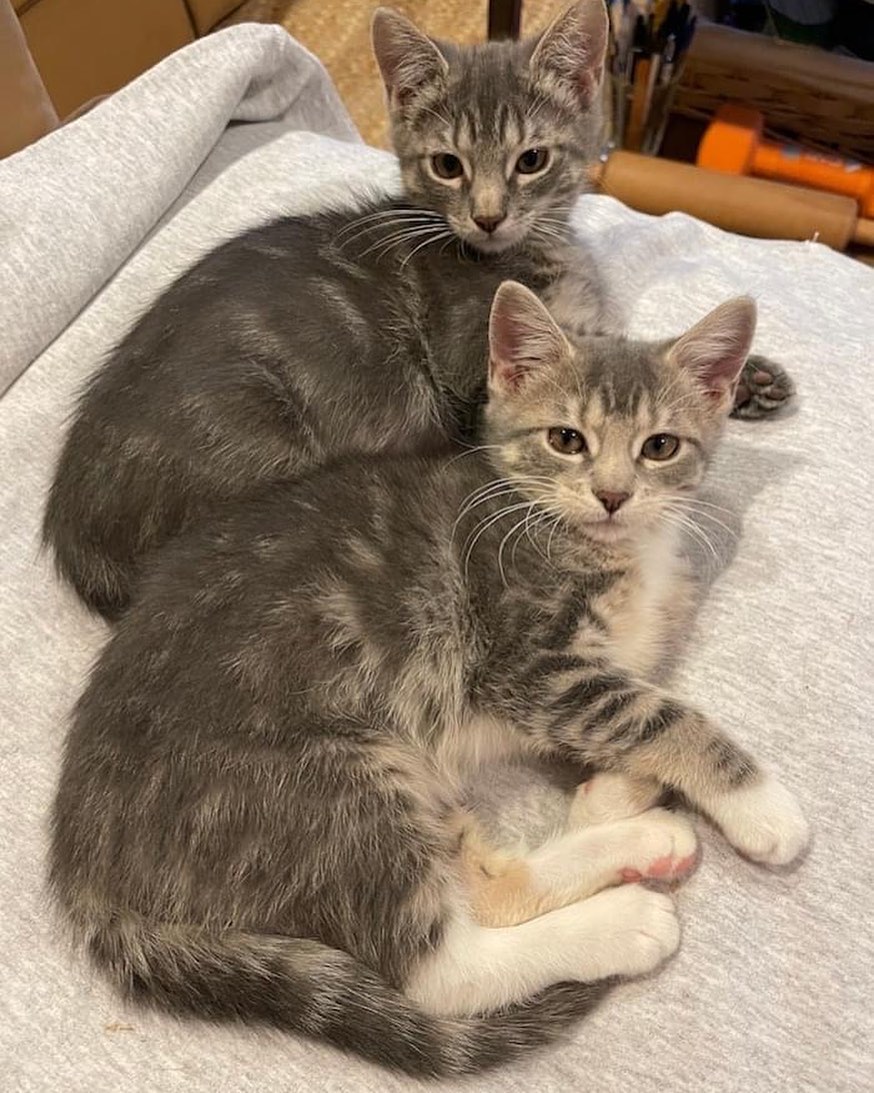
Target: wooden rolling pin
(750, 206)
(734, 143)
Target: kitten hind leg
(476, 969)
(505, 890)
(764, 386)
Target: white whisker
(484, 526)
(472, 450)
(518, 525)
(678, 520)
(389, 214)
(496, 488)
(436, 239)
(398, 238)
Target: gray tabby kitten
(261, 807)
(354, 331)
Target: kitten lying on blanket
(261, 808)
(355, 331)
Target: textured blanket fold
(74, 205)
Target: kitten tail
(305, 987)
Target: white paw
(607, 797)
(762, 821)
(630, 931)
(661, 846)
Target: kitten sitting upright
(260, 804)
(346, 332)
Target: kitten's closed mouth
(495, 244)
(607, 531)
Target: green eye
(660, 447)
(566, 441)
(532, 161)
(446, 165)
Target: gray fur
(351, 332)
(253, 819)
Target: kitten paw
(630, 930)
(662, 847)
(608, 797)
(763, 822)
(764, 387)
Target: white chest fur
(647, 607)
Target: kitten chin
(611, 532)
(623, 535)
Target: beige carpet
(338, 32)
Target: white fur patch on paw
(609, 797)
(762, 821)
(630, 931)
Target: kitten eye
(660, 447)
(532, 161)
(566, 441)
(446, 165)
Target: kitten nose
(612, 502)
(488, 223)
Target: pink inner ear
(507, 333)
(407, 59)
(716, 348)
(722, 374)
(589, 79)
(509, 364)
(509, 374)
(573, 49)
(523, 337)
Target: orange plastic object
(733, 143)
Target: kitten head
(609, 432)
(495, 137)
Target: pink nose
(488, 223)
(612, 502)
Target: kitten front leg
(589, 711)
(683, 749)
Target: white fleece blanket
(772, 989)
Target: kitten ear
(523, 338)
(716, 348)
(569, 58)
(407, 58)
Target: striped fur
(258, 810)
(241, 372)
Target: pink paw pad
(685, 865)
(661, 867)
(668, 867)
